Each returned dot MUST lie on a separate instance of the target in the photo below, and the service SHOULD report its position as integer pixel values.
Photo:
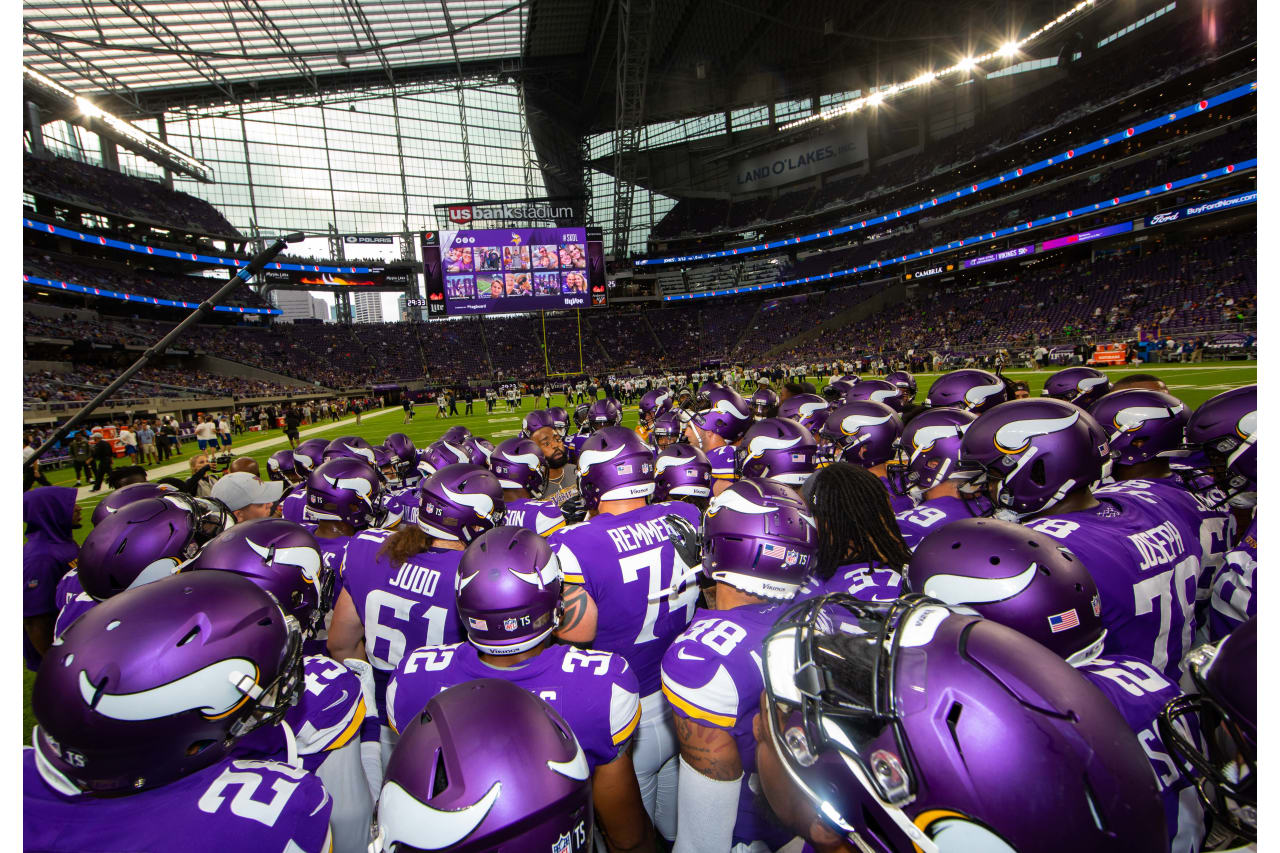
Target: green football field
(1193, 383)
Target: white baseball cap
(241, 489)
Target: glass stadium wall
(373, 161)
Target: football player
(454, 783)
(777, 449)
(865, 434)
(508, 596)
(763, 403)
(860, 549)
(927, 469)
(631, 589)
(1039, 459)
(969, 389)
(48, 564)
(397, 587)
(682, 472)
(333, 725)
(759, 544)
(1083, 386)
(306, 456)
(133, 764)
(874, 734)
(652, 404)
(1025, 580)
(560, 482)
(521, 470)
(713, 423)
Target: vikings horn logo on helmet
(725, 407)
(574, 768)
(962, 589)
(306, 560)
(548, 573)
(762, 444)
(482, 504)
(852, 423)
(524, 459)
(415, 824)
(1015, 436)
(213, 690)
(977, 395)
(736, 502)
(1084, 386)
(1132, 418)
(927, 436)
(363, 452)
(587, 458)
(358, 485)
(807, 409)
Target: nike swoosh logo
(339, 701)
(680, 654)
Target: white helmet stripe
(211, 690)
(1015, 436)
(404, 819)
(962, 589)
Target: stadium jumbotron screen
(507, 270)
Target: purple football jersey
(927, 516)
(898, 503)
(1144, 553)
(542, 517)
(292, 505)
(864, 581)
(723, 462)
(643, 594)
(232, 805)
(402, 504)
(1140, 694)
(401, 606)
(73, 602)
(1233, 601)
(573, 444)
(596, 692)
(713, 674)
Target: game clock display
(505, 270)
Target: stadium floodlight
(966, 64)
(1009, 48)
(875, 99)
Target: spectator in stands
(103, 458)
(32, 473)
(247, 496)
(202, 478)
(79, 448)
(147, 444)
(206, 434)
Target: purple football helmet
(479, 449)
(808, 410)
(777, 449)
(508, 590)
(580, 415)
(877, 391)
(536, 420)
(614, 464)
(126, 495)
(456, 434)
(441, 453)
(559, 419)
(604, 413)
(1037, 451)
(347, 490)
(384, 463)
(486, 765)
(862, 433)
(1223, 715)
(404, 454)
(280, 466)
(1083, 386)
(707, 387)
(760, 537)
(350, 447)
(881, 714)
(929, 450)
(1140, 424)
(146, 540)
(723, 412)
(969, 389)
(281, 557)
(681, 471)
(763, 403)
(836, 392)
(904, 382)
(654, 403)
(307, 455)
(459, 502)
(667, 429)
(1225, 430)
(519, 464)
(160, 682)
(1016, 576)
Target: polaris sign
(525, 210)
(1167, 216)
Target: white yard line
(181, 468)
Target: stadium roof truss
(228, 49)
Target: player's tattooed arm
(711, 751)
(579, 623)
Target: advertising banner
(1000, 256)
(840, 147)
(466, 214)
(1179, 213)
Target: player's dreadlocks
(855, 520)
